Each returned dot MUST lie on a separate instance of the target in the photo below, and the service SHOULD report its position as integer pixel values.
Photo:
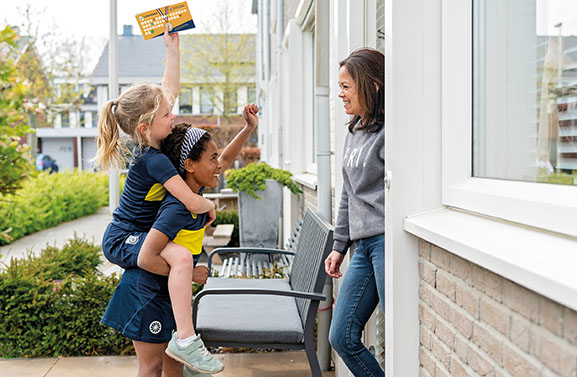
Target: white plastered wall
(352, 25)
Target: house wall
(61, 150)
(476, 323)
(287, 135)
(88, 152)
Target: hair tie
(191, 137)
(114, 106)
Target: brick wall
(308, 199)
(475, 323)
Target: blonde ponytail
(111, 149)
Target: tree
(15, 162)
(53, 63)
(222, 61)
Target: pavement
(275, 364)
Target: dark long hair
(367, 68)
(172, 144)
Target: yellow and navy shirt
(181, 226)
(143, 190)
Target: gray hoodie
(362, 207)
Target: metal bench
(269, 313)
(248, 262)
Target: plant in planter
(260, 199)
(252, 178)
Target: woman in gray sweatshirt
(361, 214)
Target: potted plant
(259, 202)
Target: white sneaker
(195, 356)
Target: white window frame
(308, 65)
(545, 206)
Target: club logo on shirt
(132, 240)
(155, 327)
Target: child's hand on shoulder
(250, 115)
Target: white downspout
(113, 178)
(260, 100)
(322, 91)
(279, 57)
(267, 111)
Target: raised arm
(230, 152)
(171, 82)
(171, 79)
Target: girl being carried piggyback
(144, 114)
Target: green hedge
(48, 200)
(51, 305)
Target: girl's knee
(184, 256)
(177, 255)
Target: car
(45, 162)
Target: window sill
(538, 260)
(306, 179)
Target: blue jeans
(362, 288)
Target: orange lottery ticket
(152, 22)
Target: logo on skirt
(155, 327)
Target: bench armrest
(251, 291)
(248, 250)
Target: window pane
(185, 100)
(65, 119)
(251, 95)
(206, 103)
(525, 90)
(95, 119)
(231, 101)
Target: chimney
(127, 31)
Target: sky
(90, 18)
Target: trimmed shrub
(48, 200)
(51, 305)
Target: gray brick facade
(474, 323)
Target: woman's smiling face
(348, 93)
(206, 171)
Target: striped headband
(191, 137)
